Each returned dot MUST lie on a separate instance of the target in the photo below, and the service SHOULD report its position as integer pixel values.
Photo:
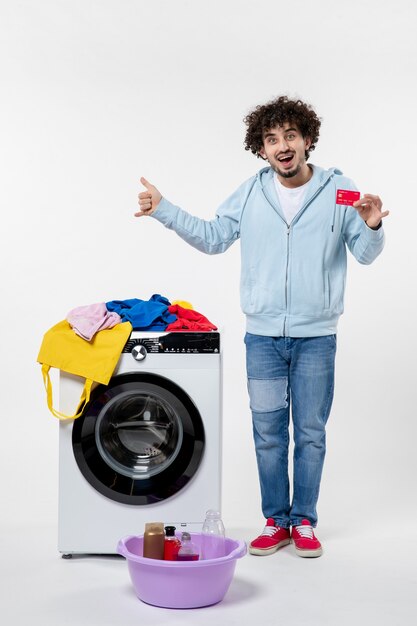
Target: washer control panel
(174, 343)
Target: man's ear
(307, 143)
(262, 154)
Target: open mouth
(286, 159)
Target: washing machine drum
(140, 439)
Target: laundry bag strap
(85, 395)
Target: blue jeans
(284, 371)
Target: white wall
(95, 94)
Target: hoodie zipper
(286, 276)
(295, 219)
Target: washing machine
(147, 447)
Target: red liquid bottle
(188, 551)
(172, 544)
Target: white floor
(366, 576)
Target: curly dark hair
(278, 112)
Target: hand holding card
(369, 208)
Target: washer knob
(139, 352)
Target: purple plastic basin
(180, 585)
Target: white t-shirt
(291, 200)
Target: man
(294, 221)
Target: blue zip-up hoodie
(292, 275)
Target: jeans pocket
(268, 394)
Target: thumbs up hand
(149, 199)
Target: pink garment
(87, 320)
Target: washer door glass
(139, 440)
(139, 433)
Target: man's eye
(272, 140)
(291, 137)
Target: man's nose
(282, 145)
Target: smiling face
(284, 148)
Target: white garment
(291, 199)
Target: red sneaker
(270, 540)
(306, 543)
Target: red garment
(188, 319)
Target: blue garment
(144, 315)
(283, 371)
(292, 275)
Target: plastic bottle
(153, 540)
(213, 540)
(188, 550)
(172, 544)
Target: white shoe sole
(266, 551)
(308, 553)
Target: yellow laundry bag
(93, 360)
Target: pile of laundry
(155, 314)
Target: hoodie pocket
(248, 292)
(252, 286)
(326, 290)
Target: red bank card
(346, 197)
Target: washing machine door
(140, 439)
